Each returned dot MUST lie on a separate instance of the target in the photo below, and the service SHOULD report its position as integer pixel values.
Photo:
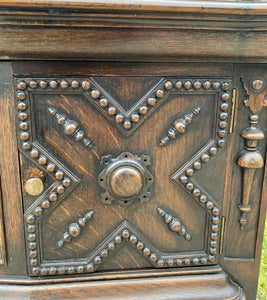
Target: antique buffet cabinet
(133, 149)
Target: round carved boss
(125, 178)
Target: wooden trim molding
(3, 254)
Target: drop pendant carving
(250, 159)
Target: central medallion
(125, 178)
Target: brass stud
(31, 228)
(197, 165)
(52, 271)
(64, 84)
(21, 85)
(24, 135)
(178, 85)
(213, 250)
(153, 258)
(213, 243)
(22, 116)
(216, 85)
(95, 94)
(216, 220)
(151, 101)
(160, 263)
(97, 260)
(103, 102)
(66, 182)
(127, 124)
(140, 245)
(46, 204)
(133, 239)
(34, 153)
(189, 172)
(159, 93)
(50, 167)
(53, 84)
(38, 211)
(90, 268)
(223, 124)
(80, 269)
(196, 192)
(34, 186)
(118, 239)
(43, 84)
(75, 84)
(195, 261)
(71, 270)
(146, 251)
(214, 236)
(135, 118)
(30, 219)
(225, 96)
(86, 85)
(221, 143)
(59, 174)
(119, 118)
(215, 228)
(205, 157)
(206, 85)
(203, 199)
(203, 260)
(23, 125)
(33, 262)
(42, 160)
(26, 146)
(226, 86)
(61, 270)
(222, 133)
(143, 110)
(125, 234)
(209, 205)
(184, 179)
(33, 254)
(35, 270)
(224, 106)
(22, 105)
(53, 197)
(197, 85)
(215, 211)
(112, 111)
(187, 261)
(170, 262)
(31, 237)
(213, 150)
(168, 85)
(104, 253)
(111, 246)
(188, 85)
(33, 84)
(223, 116)
(60, 189)
(179, 262)
(189, 186)
(32, 245)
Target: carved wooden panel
(118, 184)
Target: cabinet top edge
(150, 6)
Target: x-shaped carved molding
(64, 181)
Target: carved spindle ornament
(74, 229)
(179, 126)
(70, 127)
(249, 160)
(174, 224)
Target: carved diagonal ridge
(125, 121)
(124, 233)
(184, 176)
(64, 180)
